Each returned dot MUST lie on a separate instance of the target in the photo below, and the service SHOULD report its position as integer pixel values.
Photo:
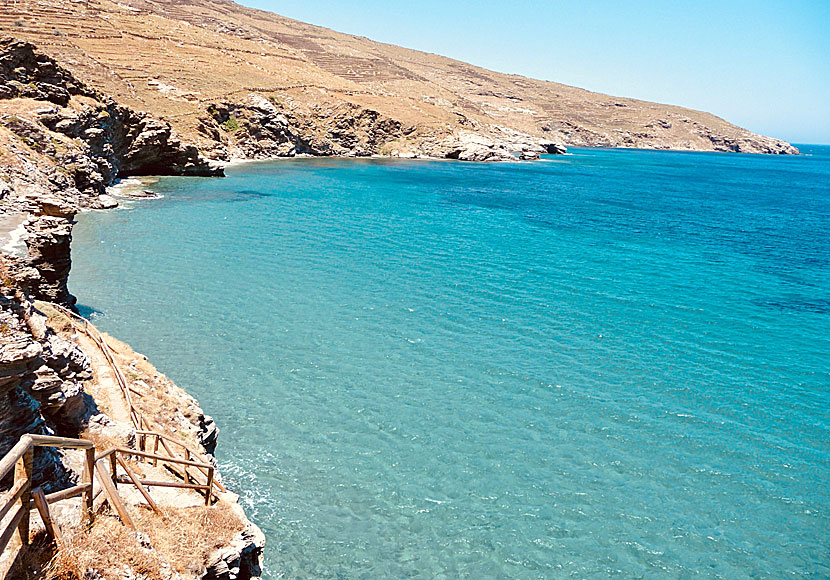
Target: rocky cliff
(41, 383)
(61, 144)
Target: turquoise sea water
(608, 364)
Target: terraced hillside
(240, 82)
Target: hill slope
(240, 82)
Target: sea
(606, 364)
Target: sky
(763, 65)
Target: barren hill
(239, 82)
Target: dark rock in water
(208, 433)
(555, 148)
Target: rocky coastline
(61, 144)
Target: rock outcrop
(116, 140)
(241, 559)
(26, 74)
(41, 383)
(63, 143)
(497, 145)
(259, 128)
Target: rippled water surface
(608, 364)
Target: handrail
(30, 440)
(22, 498)
(114, 460)
(188, 452)
(21, 457)
(141, 425)
(89, 329)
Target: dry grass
(104, 441)
(55, 319)
(187, 536)
(6, 278)
(180, 541)
(107, 547)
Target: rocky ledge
(257, 127)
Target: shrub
(231, 125)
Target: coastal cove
(605, 364)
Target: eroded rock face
(58, 383)
(41, 384)
(259, 128)
(497, 144)
(241, 559)
(27, 74)
(121, 142)
(115, 140)
(63, 144)
(48, 241)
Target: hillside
(243, 83)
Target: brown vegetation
(180, 541)
(180, 60)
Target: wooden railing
(107, 465)
(142, 425)
(201, 463)
(21, 495)
(195, 470)
(93, 333)
(104, 466)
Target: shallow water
(609, 364)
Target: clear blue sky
(762, 65)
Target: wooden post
(173, 455)
(23, 472)
(187, 458)
(52, 527)
(209, 485)
(89, 471)
(156, 450)
(112, 496)
(114, 469)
